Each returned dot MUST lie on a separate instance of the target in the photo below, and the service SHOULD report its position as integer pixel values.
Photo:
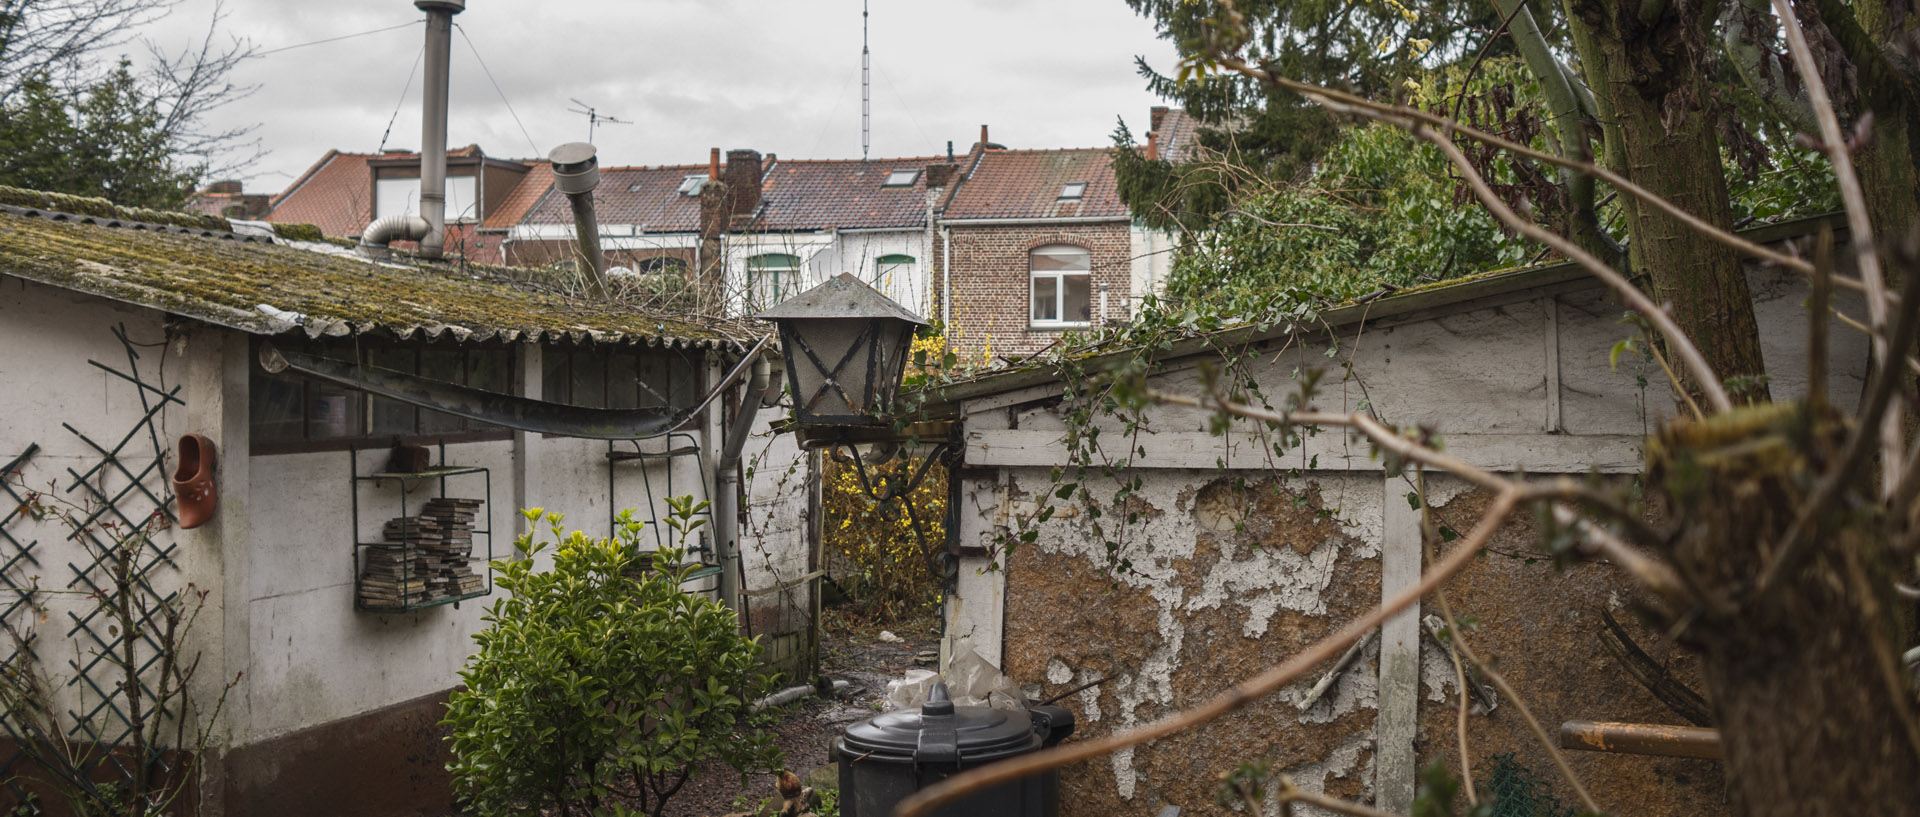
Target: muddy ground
(851, 651)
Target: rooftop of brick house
(817, 194)
(336, 193)
(650, 197)
(1039, 184)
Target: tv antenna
(594, 117)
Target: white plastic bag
(971, 681)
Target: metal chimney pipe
(433, 125)
(576, 173)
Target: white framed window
(901, 178)
(1061, 280)
(692, 185)
(1073, 191)
(771, 278)
(395, 197)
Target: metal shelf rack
(483, 528)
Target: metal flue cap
(575, 170)
(450, 6)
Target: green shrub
(598, 685)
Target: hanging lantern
(846, 347)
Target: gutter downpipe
(726, 478)
(946, 281)
(433, 125)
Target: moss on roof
(101, 208)
(226, 280)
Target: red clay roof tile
(1027, 184)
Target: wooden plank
(1395, 765)
(1552, 308)
(1330, 451)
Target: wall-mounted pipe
(726, 478)
(576, 172)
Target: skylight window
(1072, 191)
(633, 188)
(691, 185)
(901, 178)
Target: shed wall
(1228, 577)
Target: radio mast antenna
(866, 87)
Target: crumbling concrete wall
(1226, 580)
(1541, 624)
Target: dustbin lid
(977, 730)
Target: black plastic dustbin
(888, 757)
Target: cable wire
(496, 89)
(933, 147)
(402, 100)
(334, 39)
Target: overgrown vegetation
(892, 569)
(77, 117)
(598, 688)
(137, 748)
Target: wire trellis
(126, 506)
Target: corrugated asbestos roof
(267, 287)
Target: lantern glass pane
(829, 340)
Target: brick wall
(991, 290)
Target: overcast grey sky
(780, 76)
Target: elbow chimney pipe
(576, 173)
(430, 227)
(403, 227)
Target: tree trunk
(1815, 712)
(1649, 83)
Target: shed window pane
(489, 370)
(623, 382)
(392, 416)
(446, 366)
(332, 411)
(554, 378)
(275, 407)
(589, 380)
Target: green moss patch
(225, 281)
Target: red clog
(193, 481)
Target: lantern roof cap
(842, 296)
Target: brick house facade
(992, 282)
(1000, 297)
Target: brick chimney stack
(983, 137)
(742, 176)
(713, 165)
(1158, 112)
